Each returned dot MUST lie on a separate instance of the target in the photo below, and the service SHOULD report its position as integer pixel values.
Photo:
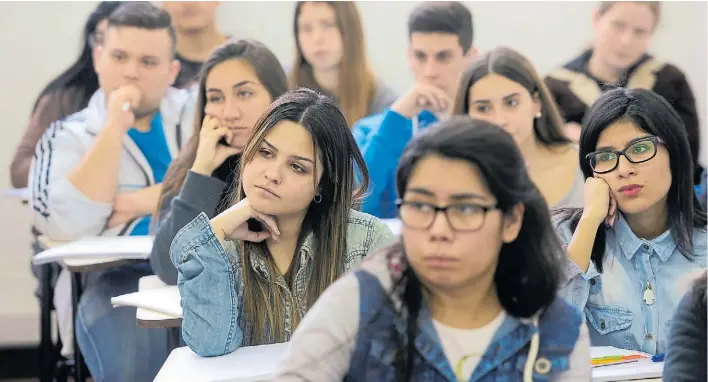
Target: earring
(538, 115)
(318, 198)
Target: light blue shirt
(614, 301)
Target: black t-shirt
(188, 72)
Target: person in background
(439, 49)
(98, 173)
(237, 84)
(328, 61)
(197, 36)
(618, 56)
(503, 87)
(66, 94)
(641, 229)
(686, 353)
(425, 308)
(248, 275)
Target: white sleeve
(59, 209)
(580, 368)
(321, 347)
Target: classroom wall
(549, 33)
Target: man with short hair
(98, 173)
(197, 36)
(440, 48)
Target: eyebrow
(291, 156)
(142, 57)
(236, 85)
(607, 148)
(488, 101)
(457, 197)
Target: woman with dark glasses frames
(641, 230)
(469, 293)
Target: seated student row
(213, 137)
(208, 256)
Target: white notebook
(116, 247)
(165, 300)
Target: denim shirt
(614, 300)
(209, 278)
(349, 334)
(504, 359)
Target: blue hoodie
(381, 139)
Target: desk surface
(263, 361)
(185, 365)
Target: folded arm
(208, 279)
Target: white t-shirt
(465, 347)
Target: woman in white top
(469, 293)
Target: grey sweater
(198, 194)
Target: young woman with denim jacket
(248, 275)
(469, 294)
(641, 230)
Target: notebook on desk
(118, 247)
(643, 368)
(165, 300)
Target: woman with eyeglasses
(641, 230)
(469, 292)
(66, 94)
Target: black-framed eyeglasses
(641, 150)
(462, 217)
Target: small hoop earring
(318, 198)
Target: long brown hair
(270, 73)
(357, 87)
(327, 220)
(514, 66)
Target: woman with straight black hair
(66, 94)
(641, 229)
(469, 292)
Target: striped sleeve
(59, 209)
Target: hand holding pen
(121, 104)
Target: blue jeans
(113, 346)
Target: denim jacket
(614, 300)
(354, 321)
(211, 286)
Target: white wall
(41, 38)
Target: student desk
(22, 194)
(147, 318)
(248, 364)
(260, 363)
(77, 266)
